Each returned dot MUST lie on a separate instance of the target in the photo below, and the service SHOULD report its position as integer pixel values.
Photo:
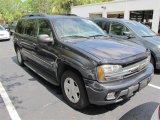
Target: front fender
(82, 65)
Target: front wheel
(73, 90)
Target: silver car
(132, 31)
(4, 34)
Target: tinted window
(45, 28)
(118, 29)
(30, 27)
(99, 23)
(20, 27)
(104, 25)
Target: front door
(118, 30)
(45, 52)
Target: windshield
(140, 29)
(76, 28)
(1, 28)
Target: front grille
(135, 68)
(129, 70)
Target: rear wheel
(19, 57)
(73, 90)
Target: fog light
(111, 96)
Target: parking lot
(26, 96)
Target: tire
(76, 95)
(153, 62)
(19, 57)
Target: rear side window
(104, 25)
(20, 27)
(30, 26)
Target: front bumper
(97, 92)
(4, 38)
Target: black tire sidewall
(83, 101)
(153, 61)
(22, 61)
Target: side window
(45, 28)
(99, 23)
(19, 28)
(30, 27)
(118, 29)
(105, 26)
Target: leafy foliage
(13, 9)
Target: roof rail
(67, 14)
(34, 14)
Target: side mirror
(44, 38)
(128, 35)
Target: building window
(95, 14)
(144, 17)
(119, 14)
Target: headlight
(106, 70)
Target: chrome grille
(135, 68)
(129, 71)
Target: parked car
(5, 26)
(74, 53)
(4, 34)
(156, 114)
(12, 27)
(135, 32)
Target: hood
(154, 40)
(109, 49)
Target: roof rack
(65, 14)
(35, 14)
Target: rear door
(29, 38)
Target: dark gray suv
(74, 53)
(132, 31)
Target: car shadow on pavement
(96, 110)
(141, 112)
(56, 91)
(157, 72)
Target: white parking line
(154, 86)
(11, 109)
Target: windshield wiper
(98, 36)
(148, 36)
(75, 36)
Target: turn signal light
(100, 73)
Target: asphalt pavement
(26, 96)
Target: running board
(42, 73)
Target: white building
(146, 11)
